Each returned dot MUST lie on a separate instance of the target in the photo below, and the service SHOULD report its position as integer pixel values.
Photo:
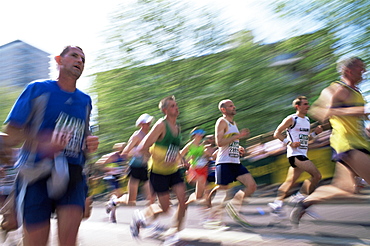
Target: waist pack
(137, 161)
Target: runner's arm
(132, 142)
(324, 106)
(185, 150)
(154, 134)
(287, 122)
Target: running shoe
(110, 204)
(277, 210)
(360, 184)
(112, 215)
(274, 206)
(297, 198)
(297, 212)
(215, 225)
(235, 215)
(137, 221)
(155, 230)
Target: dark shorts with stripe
(227, 173)
(299, 157)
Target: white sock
(279, 203)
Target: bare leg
(36, 235)
(250, 185)
(309, 185)
(219, 194)
(342, 185)
(343, 181)
(148, 192)
(133, 186)
(192, 198)
(69, 219)
(211, 194)
(291, 178)
(154, 210)
(179, 190)
(359, 163)
(200, 187)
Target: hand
(244, 133)
(92, 143)
(241, 151)
(295, 144)
(318, 129)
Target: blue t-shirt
(49, 114)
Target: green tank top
(196, 153)
(165, 156)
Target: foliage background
(245, 73)
(157, 48)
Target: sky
(50, 25)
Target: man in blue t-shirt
(51, 119)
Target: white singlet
(229, 153)
(298, 132)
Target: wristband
(313, 134)
(286, 141)
(367, 108)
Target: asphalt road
(346, 222)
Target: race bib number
(69, 132)
(172, 153)
(234, 149)
(303, 140)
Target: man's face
(356, 71)
(211, 140)
(73, 62)
(172, 108)
(229, 108)
(303, 107)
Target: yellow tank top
(348, 131)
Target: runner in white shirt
(228, 166)
(297, 127)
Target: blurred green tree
(262, 80)
(347, 19)
(150, 31)
(8, 96)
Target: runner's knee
(252, 187)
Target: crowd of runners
(55, 136)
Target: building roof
(21, 42)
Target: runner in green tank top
(165, 153)
(196, 155)
(161, 145)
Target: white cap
(144, 118)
